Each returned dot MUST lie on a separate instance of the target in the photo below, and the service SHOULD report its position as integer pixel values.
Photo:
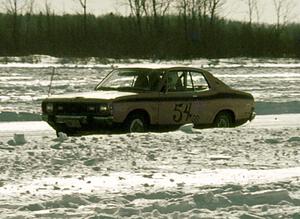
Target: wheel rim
(223, 123)
(136, 125)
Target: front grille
(77, 109)
(70, 108)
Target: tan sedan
(139, 98)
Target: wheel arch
(228, 111)
(140, 112)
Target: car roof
(156, 66)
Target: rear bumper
(243, 121)
(252, 116)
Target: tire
(223, 120)
(136, 123)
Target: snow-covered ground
(247, 172)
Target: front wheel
(136, 123)
(223, 120)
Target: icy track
(274, 83)
(251, 171)
(248, 172)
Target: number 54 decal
(182, 112)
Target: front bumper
(78, 122)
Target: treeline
(168, 37)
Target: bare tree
(252, 7)
(257, 10)
(191, 9)
(197, 8)
(11, 6)
(155, 8)
(50, 23)
(14, 7)
(213, 7)
(83, 4)
(29, 10)
(202, 8)
(283, 11)
(17, 6)
(160, 7)
(137, 8)
(159, 10)
(47, 8)
(48, 16)
(30, 7)
(146, 7)
(184, 6)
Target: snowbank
(19, 116)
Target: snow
(187, 173)
(275, 88)
(42, 61)
(250, 171)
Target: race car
(145, 98)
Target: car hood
(103, 95)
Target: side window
(141, 82)
(199, 81)
(175, 81)
(148, 81)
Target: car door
(177, 103)
(190, 99)
(205, 100)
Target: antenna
(50, 85)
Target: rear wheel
(136, 123)
(223, 120)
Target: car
(149, 97)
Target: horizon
(232, 10)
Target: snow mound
(230, 200)
(62, 137)
(19, 139)
(187, 128)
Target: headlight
(49, 107)
(91, 108)
(103, 108)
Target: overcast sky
(234, 9)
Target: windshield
(132, 79)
